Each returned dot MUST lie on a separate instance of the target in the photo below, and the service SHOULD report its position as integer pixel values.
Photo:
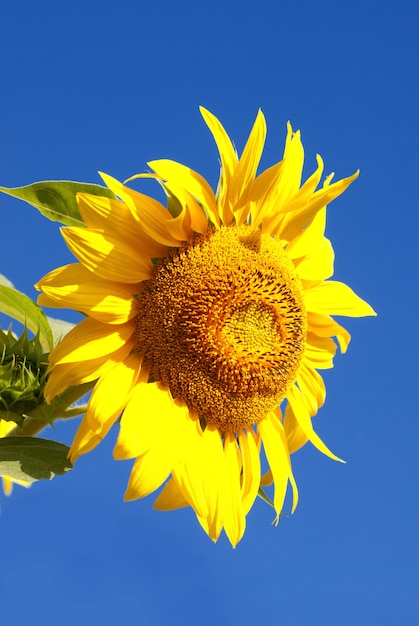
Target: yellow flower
(5, 428)
(202, 318)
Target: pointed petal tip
(129, 496)
(365, 310)
(107, 177)
(261, 116)
(207, 115)
(332, 456)
(120, 453)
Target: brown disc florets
(222, 324)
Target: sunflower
(202, 318)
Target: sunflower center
(222, 324)
(252, 327)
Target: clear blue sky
(87, 87)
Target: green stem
(31, 426)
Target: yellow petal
(261, 197)
(151, 216)
(195, 184)
(150, 470)
(192, 467)
(317, 265)
(296, 437)
(240, 186)
(111, 393)
(251, 468)
(7, 485)
(115, 217)
(46, 301)
(293, 165)
(212, 476)
(180, 227)
(108, 399)
(289, 180)
(234, 519)
(325, 326)
(5, 427)
(229, 162)
(90, 340)
(77, 373)
(170, 498)
(252, 153)
(275, 444)
(287, 184)
(335, 298)
(302, 415)
(228, 154)
(319, 351)
(144, 420)
(9, 482)
(191, 220)
(277, 218)
(267, 479)
(84, 441)
(299, 216)
(99, 212)
(75, 287)
(107, 256)
(310, 238)
(312, 387)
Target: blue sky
(87, 87)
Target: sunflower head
(223, 326)
(207, 322)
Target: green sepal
(21, 308)
(32, 458)
(56, 199)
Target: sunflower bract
(206, 327)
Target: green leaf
(56, 199)
(32, 458)
(21, 308)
